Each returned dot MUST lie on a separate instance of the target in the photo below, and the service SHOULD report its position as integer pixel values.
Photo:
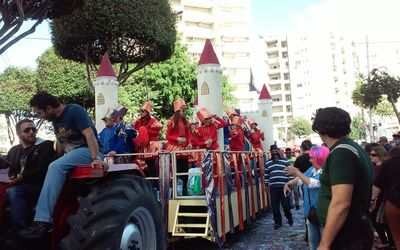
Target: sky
(356, 18)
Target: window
(288, 98)
(288, 108)
(286, 76)
(284, 44)
(284, 54)
(287, 86)
(299, 85)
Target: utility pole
(371, 128)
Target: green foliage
(229, 100)
(131, 31)
(358, 131)
(384, 109)
(299, 127)
(65, 79)
(168, 81)
(17, 85)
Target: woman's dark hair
(369, 146)
(306, 145)
(175, 119)
(44, 99)
(333, 122)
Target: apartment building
(323, 71)
(278, 79)
(227, 23)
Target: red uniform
(237, 140)
(173, 133)
(148, 140)
(255, 139)
(210, 132)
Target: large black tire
(121, 212)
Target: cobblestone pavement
(259, 235)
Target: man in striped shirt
(276, 179)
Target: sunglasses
(184, 110)
(372, 155)
(27, 130)
(142, 110)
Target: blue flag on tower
(252, 87)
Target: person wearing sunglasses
(148, 140)
(77, 144)
(378, 155)
(179, 138)
(27, 165)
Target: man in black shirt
(27, 163)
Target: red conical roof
(106, 68)
(208, 55)
(264, 94)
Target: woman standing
(378, 154)
(388, 182)
(208, 130)
(179, 138)
(148, 140)
(310, 179)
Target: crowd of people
(345, 186)
(351, 192)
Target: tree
(65, 79)
(384, 109)
(299, 127)
(387, 86)
(17, 85)
(166, 82)
(358, 128)
(15, 12)
(131, 31)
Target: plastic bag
(194, 185)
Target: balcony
(201, 4)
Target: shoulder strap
(347, 146)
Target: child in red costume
(255, 136)
(179, 138)
(148, 140)
(208, 130)
(236, 134)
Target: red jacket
(196, 139)
(210, 132)
(172, 134)
(255, 139)
(237, 140)
(153, 127)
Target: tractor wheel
(121, 212)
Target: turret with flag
(252, 87)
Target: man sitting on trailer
(276, 179)
(77, 144)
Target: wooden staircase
(191, 219)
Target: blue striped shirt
(274, 174)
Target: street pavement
(259, 235)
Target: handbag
(312, 215)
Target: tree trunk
(395, 110)
(371, 127)
(10, 131)
(363, 119)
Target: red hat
(203, 114)
(237, 120)
(147, 106)
(231, 111)
(251, 122)
(179, 104)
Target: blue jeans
(21, 199)
(314, 235)
(55, 179)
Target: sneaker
(276, 226)
(36, 230)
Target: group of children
(143, 135)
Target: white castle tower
(209, 84)
(265, 121)
(106, 90)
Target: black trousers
(277, 199)
(355, 235)
(182, 166)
